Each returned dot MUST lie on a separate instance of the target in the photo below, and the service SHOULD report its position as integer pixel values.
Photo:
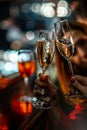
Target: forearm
(59, 119)
(54, 116)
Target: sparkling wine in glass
(45, 54)
(27, 67)
(65, 45)
(66, 49)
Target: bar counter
(13, 113)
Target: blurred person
(79, 31)
(64, 115)
(71, 116)
(68, 116)
(79, 9)
(79, 59)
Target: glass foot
(27, 99)
(41, 105)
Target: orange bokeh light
(20, 106)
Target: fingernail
(72, 80)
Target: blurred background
(19, 19)
(19, 22)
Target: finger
(38, 82)
(80, 87)
(39, 91)
(81, 79)
(41, 84)
(36, 91)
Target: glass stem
(26, 81)
(28, 92)
(44, 69)
(70, 68)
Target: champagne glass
(45, 49)
(27, 67)
(65, 45)
(64, 41)
(45, 54)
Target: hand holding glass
(45, 54)
(65, 45)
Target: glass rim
(61, 21)
(24, 50)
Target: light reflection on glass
(47, 10)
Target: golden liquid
(65, 47)
(64, 78)
(44, 54)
